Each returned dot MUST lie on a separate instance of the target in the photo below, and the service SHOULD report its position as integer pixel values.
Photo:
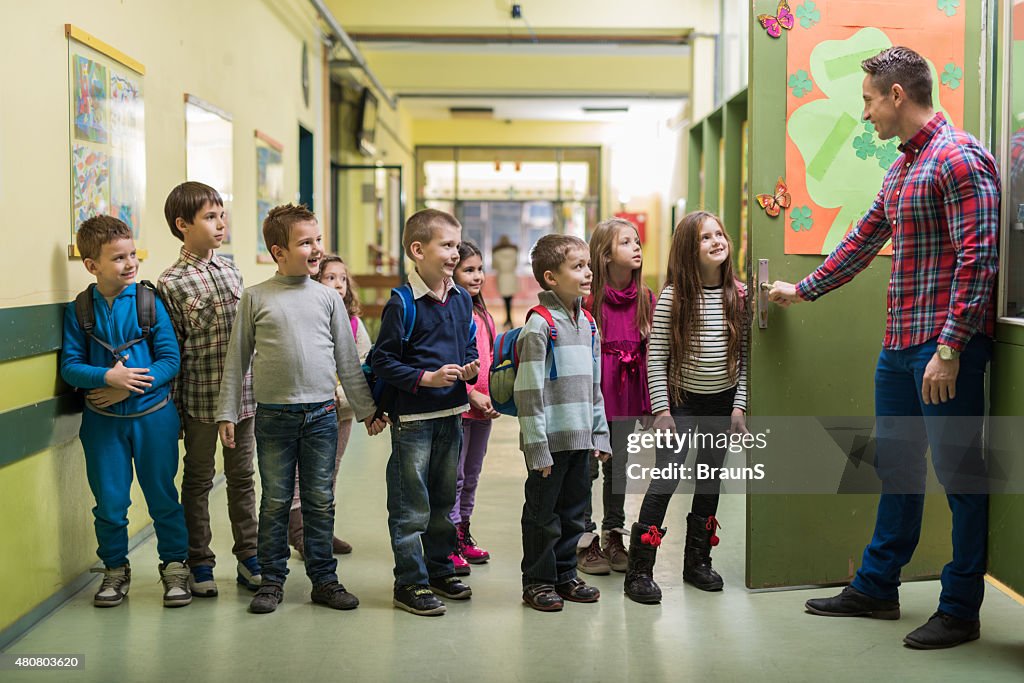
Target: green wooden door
(818, 359)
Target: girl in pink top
(621, 306)
(476, 423)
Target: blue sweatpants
(111, 444)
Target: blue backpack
(377, 385)
(505, 362)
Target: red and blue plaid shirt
(939, 203)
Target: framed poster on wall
(208, 154)
(107, 133)
(269, 186)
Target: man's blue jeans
(953, 430)
(305, 434)
(421, 477)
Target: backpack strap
(84, 311)
(145, 306)
(543, 312)
(593, 331)
(408, 299)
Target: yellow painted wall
(243, 56)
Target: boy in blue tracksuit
(129, 417)
(427, 375)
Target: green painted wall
(1006, 511)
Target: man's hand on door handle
(782, 293)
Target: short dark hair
(904, 66)
(551, 251)
(277, 226)
(185, 201)
(421, 227)
(97, 231)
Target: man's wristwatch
(947, 352)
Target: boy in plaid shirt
(201, 291)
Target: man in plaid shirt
(201, 292)
(939, 203)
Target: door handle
(763, 285)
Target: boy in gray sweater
(562, 422)
(300, 334)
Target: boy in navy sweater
(427, 375)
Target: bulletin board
(269, 187)
(107, 133)
(835, 161)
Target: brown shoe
(589, 558)
(614, 550)
(340, 547)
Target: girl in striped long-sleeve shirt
(696, 370)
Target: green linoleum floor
(736, 635)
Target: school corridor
(736, 635)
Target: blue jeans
(421, 479)
(306, 435)
(953, 430)
(553, 518)
(150, 442)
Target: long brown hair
(687, 295)
(467, 249)
(351, 297)
(602, 241)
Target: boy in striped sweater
(562, 423)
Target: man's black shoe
(852, 603)
(418, 600)
(451, 587)
(943, 630)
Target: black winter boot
(700, 536)
(639, 584)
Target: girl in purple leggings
(476, 423)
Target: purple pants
(475, 434)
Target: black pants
(508, 309)
(613, 486)
(708, 414)
(553, 518)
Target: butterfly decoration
(774, 203)
(783, 19)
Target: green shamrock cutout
(864, 145)
(808, 14)
(886, 155)
(801, 218)
(801, 84)
(951, 76)
(948, 6)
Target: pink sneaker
(460, 564)
(473, 553)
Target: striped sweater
(708, 371)
(565, 414)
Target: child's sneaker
(268, 597)
(113, 587)
(460, 564)
(451, 587)
(589, 558)
(201, 583)
(575, 590)
(174, 576)
(334, 595)
(468, 548)
(542, 597)
(249, 574)
(418, 600)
